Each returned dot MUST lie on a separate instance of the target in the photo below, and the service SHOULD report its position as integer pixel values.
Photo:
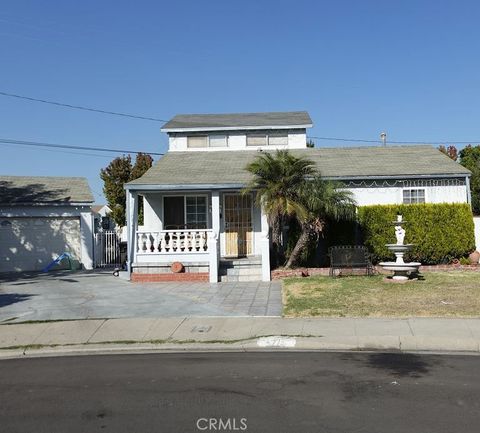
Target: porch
(206, 231)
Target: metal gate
(107, 250)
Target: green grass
(446, 294)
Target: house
(195, 214)
(102, 219)
(43, 217)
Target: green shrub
(440, 232)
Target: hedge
(440, 232)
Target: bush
(439, 232)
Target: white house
(195, 214)
(43, 217)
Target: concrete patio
(91, 295)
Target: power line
(66, 146)
(63, 151)
(392, 142)
(79, 107)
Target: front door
(238, 225)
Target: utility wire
(392, 142)
(79, 107)
(65, 146)
(153, 119)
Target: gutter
(214, 186)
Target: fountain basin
(400, 270)
(399, 248)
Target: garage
(30, 244)
(41, 218)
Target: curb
(263, 344)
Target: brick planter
(278, 274)
(157, 278)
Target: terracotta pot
(177, 267)
(474, 257)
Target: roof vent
(383, 137)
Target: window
(217, 141)
(184, 212)
(197, 141)
(273, 138)
(277, 138)
(196, 212)
(256, 139)
(413, 196)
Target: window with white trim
(272, 138)
(196, 212)
(411, 196)
(199, 141)
(195, 141)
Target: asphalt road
(253, 392)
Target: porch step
(245, 269)
(240, 278)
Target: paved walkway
(240, 333)
(68, 295)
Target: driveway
(82, 295)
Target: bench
(349, 257)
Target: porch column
(132, 225)
(215, 241)
(265, 246)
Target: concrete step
(240, 278)
(257, 270)
(247, 261)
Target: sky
(409, 68)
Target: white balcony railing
(174, 241)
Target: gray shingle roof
(44, 189)
(227, 167)
(239, 120)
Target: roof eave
(235, 128)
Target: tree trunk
(277, 248)
(302, 243)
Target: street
(253, 392)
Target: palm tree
(276, 180)
(318, 201)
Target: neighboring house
(194, 212)
(43, 217)
(102, 220)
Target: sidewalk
(239, 333)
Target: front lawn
(445, 294)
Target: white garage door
(30, 244)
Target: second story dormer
(241, 131)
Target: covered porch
(202, 229)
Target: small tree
(143, 162)
(276, 178)
(115, 176)
(470, 158)
(450, 151)
(319, 201)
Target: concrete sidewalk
(239, 333)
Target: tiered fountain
(401, 270)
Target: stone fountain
(401, 270)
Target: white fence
(107, 249)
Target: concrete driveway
(82, 295)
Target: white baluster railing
(173, 241)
